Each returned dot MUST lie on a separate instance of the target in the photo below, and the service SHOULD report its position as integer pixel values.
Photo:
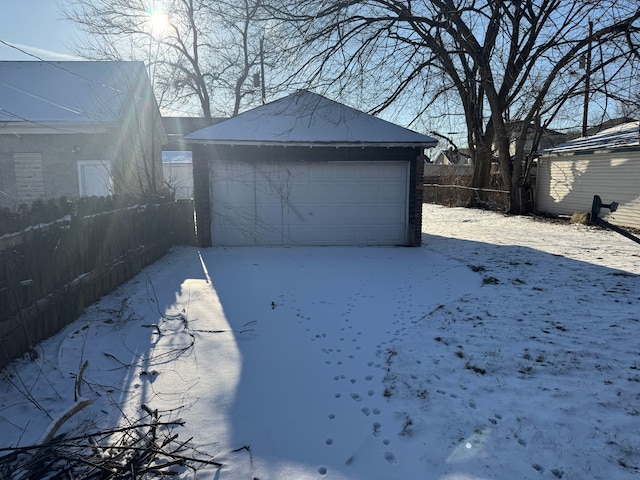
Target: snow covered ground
(505, 347)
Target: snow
(306, 118)
(626, 135)
(504, 347)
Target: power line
(60, 65)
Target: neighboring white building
(606, 164)
(177, 168)
(177, 165)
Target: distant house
(177, 164)
(306, 170)
(452, 156)
(548, 138)
(605, 164)
(448, 165)
(77, 129)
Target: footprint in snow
(390, 458)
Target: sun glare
(158, 20)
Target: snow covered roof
(626, 135)
(66, 93)
(307, 119)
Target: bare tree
(491, 61)
(199, 53)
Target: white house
(606, 164)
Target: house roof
(308, 119)
(514, 127)
(608, 124)
(67, 93)
(178, 127)
(626, 135)
(185, 125)
(452, 157)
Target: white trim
(98, 165)
(53, 128)
(262, 143)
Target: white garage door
(314, 203)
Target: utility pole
(587, 84)
(264, 95)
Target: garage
(305, 170)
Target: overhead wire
(60, 65)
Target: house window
(29, 177)
(94, 178)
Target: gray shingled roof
(626, 135)
(306, 118)
(74, 92)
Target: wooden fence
(49, 273)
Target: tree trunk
(481, 168)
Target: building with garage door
(305, 170)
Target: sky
(504, 347)
(37, 27)
(36, 30)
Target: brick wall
(416, 182)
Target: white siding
(566, 184)
(177, 168)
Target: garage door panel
(232, 187)
(359, 192)
(336, 235)
(291, 203)
(318, 190)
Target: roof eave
(591, 151)
(257, 143)
(53, 128)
